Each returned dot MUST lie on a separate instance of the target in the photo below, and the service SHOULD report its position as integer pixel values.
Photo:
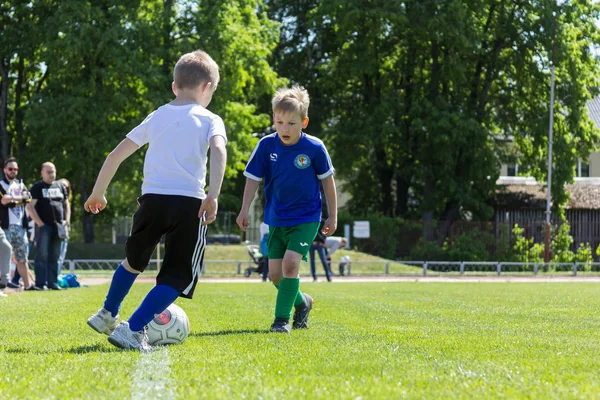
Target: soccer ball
(169, 327)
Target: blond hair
(294, 99)
(195, 68)
(67, 185)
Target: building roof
(583, 196)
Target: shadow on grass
(230, 332)
(93, 349)
(72, 350)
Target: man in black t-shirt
(49, 205)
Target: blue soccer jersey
(291, 176)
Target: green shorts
(297, 238)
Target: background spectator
(48, 206)
(318, 246)
(13, 220)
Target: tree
(22, 73)
(418, 91)
(110, 64)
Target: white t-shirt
(15, 188)
(178, 140)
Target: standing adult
(5, 254)
(13, 218)
(49, 206)
(65, 243)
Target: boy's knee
(290, 268)
(129, 268)
(275, 277)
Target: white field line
(152, 376)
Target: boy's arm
(218, 161)
(331, 195)
(249, 193)
(96, 202)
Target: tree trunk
(167, 28)
(428, 213)
(402, 190)
(3, 110)
(385, 175)
(449, 216)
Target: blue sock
(157, 301)
(121, 282)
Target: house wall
(595, 165)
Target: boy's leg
(155, 302)
(105, 320)
(295, 240)
(121, 283)
(275, 270)
(145, 234)
(289, 285)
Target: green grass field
(366, 340)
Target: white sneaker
(125, 338)
(103, 321)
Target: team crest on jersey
(302, 161)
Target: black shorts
(176, 217)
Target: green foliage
(561, 242)
(384, 235)
(85, 73)
(426, 250)
(470, 246)
(504, 251)
(584, 255)
(525, 250)
(400, 81)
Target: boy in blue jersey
(292, 164)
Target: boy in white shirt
(173, 201)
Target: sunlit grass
(369, 340)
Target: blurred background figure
(65, 243)
(319, 247)
(264, 237)
(344, 264)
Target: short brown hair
(195, 68)
(294, 99)
(9, 160)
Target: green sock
(286, 297)
(299, 298)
